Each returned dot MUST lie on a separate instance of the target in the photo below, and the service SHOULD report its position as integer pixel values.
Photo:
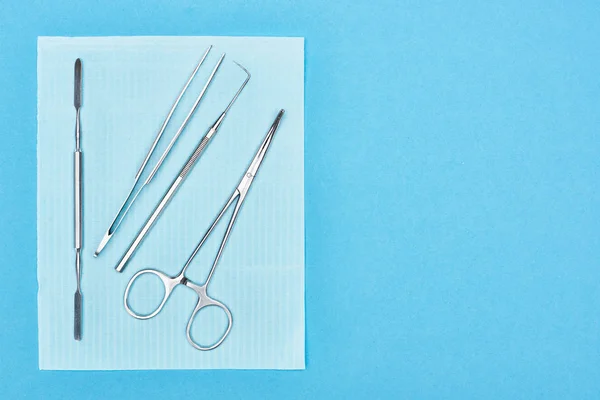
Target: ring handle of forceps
(168, 282)
(205, 301)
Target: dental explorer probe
(179, 179)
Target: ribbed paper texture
(129, 84)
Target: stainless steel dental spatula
(77, 188)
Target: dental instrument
(78, 206)
(138, 185)
(179, 179)
(171, 282)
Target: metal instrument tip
(242, 67)
(77, 95)
(279, 115)
(240, 89)
(275, 124)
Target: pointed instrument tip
(278, 119)
(220, 61)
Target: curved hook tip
(242, 67)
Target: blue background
(452, 247)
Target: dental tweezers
(138, 185)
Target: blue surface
(452, 247)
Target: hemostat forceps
(137, 183)
(179, 179)
(204, 300)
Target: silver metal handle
(142, 233)
(78, 244)
(205, 301)
(165, 200)
(168, 282)
(78, 199)
(194, 157)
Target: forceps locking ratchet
(179, 179)
(204, 300)
(137, 184)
